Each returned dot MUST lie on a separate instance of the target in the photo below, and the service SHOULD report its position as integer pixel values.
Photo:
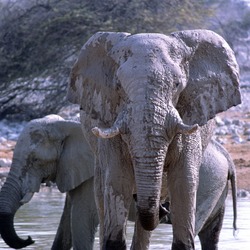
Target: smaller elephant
(51, 149)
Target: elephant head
(147, 88)
(48, 149)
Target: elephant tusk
(186, 129)
(105, 132)
(27, 197)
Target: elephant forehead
(149, 44)
(29, 136)
(141, 46)
(149, 39)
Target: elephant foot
(111, 245)
(115, 244)
(178, 245)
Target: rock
(238, 123)
(247, 131)
(5, 163)
(221, 131)
(237, 139)
(2, 139)
(227, 121)
(243, 193)
(219, 122)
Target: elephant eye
(35, 160)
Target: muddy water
(40, 218)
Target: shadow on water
(40, 217)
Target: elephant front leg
(115, 216)
(183, 177)
(83, 215)
(116, 184)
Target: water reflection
(40, 217)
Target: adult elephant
(51, 149)
(152, 96)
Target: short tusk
(27, 197)
(105, 133)
(186, 129)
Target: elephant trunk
(148, 153)
(148, 175)
(10, 197)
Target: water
(40, 217)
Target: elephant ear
(212, 78)
(76, 161)
(94, 72)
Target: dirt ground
(239, 152)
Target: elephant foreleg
(99, 195)
(182, 181)
(63, 239)
(83, 215)
(114, 179)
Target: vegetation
(39, 41)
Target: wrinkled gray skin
(41, 139)
(146, 101)
(51, 149)
(216, 170)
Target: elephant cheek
(31, 184)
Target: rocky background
(40, 39)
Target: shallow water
(40, 217)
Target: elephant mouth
(165, 214)
(27, 197)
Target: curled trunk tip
(9, 235)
